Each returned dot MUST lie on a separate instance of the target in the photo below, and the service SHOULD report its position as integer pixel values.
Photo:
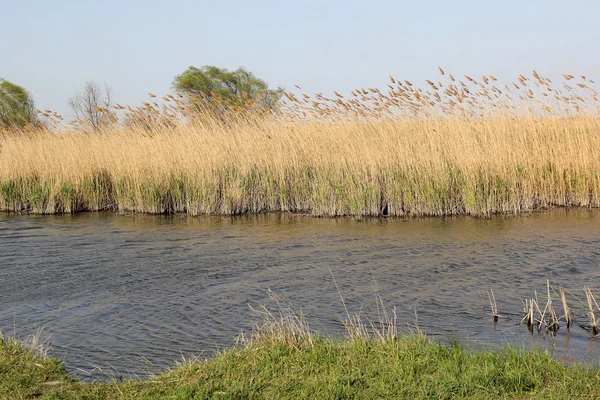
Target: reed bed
(453, 148)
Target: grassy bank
(475, 148)
(274, 367)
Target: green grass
(299, 367)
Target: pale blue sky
(52, 47)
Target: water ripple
(132, 293)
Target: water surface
(130, 294)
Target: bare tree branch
(92, 106)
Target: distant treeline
(94, 107)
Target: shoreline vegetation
(283, 358)
(476, 147)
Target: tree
(224, 89)
(92, 106)
(17, 108)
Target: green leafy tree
(223, 89)
(17, 108)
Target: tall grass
(284, 360)
(473, 147)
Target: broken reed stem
(566, 309)
(493, 304)
(591, 301)
(552, 321)
(553, 326)
(535, 304)
(540, 313)
(529, 318)
(549, 318)
(532, 306)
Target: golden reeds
(447, 149)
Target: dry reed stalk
(355, 327)
(284, 326)
(386, 326)
(529, 318)
(382, 329)
(35, 343)
(567, 311)
(526, 308)
(553, 324)
(541, 315)
(39, 346)
(493, 306)
(531, 315)
(591, 301)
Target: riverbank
(354, 168)
(309, 367)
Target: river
(127, 295)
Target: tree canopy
(17, 108)
(234, 88)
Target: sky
(52, 47)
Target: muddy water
(130, 294)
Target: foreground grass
(474, 148)
(409, 367)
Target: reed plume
(450, 148)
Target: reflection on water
(132, 293)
